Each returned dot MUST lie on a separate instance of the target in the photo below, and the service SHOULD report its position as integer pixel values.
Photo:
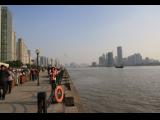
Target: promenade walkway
(23, 98)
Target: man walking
(3, 81)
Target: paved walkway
(23, 98)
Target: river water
(116, 90)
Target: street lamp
(37, 52)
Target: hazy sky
(82, 33)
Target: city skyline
(117, 59)
(81, 33)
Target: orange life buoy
(59, 94)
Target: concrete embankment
(78, 107)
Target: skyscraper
(22, 51)
(14, 55)
(6, 35)
(106, 62)
(43, 61)
(119, 56)
(19, 49)
(110, 59)
(100, 61)
(103, 60)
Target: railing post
(42, 102)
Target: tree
(15, 64)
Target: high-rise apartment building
(110, 59)
(119, 56)
(43, 61)
(103, 60)
(100, 61)
(135, 59)
(22, 52)
(6, 40)
(106, 62)
(13, 51)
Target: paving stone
(23, 98)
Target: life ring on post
(59, 94)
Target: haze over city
(82, 33)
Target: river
(114, 90)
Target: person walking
(17, 77)
(33, 74)
(10, 80)
(53, 74)
(3, 81)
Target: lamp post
(37, 52)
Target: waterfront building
(106, 62)
(100, 61)
(110, 59)
(135, 59)
(103, 60)
(6, 41)
(22, 51)
(119, 56)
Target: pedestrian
(10, 80)
(33, 74)
(37, 73)
(17, 77)
(53, 77)
(3, 82)
(59, 75)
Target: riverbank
(75, 94)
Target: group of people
(6, 80)
(34, 74)
(55, 76)
(10, 77)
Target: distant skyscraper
(110, 59)
(22, 51)
(14, 55)
(100, 61)
(48, 61)
(106, 63)
(6, 35)
(103, 60)
(19, 49)
(29, 56)
(43, 61)
(119, 56)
